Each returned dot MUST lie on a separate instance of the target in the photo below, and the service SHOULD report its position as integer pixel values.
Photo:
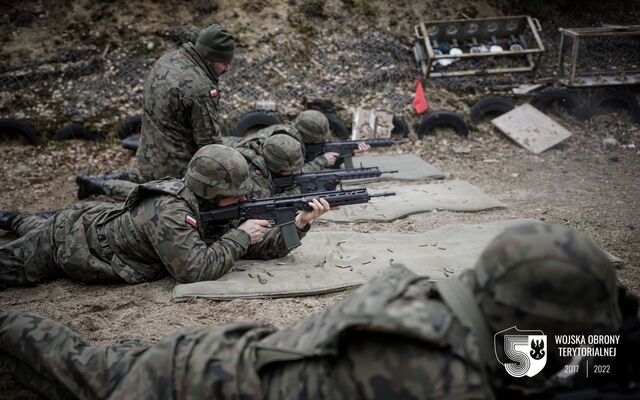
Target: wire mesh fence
(103, 86)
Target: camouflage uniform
(313, 127)
(118, 189)
(401, 336)
(317, 164)
(180, 115)
(138, 241)
(268, 156)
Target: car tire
(543, 100)
(130, 126)
(255, 119)
(491, 105)
(12, 126)
(400, 127)
(319, 104)
(336, 126)
(619, 96)
(75, 130)
(442, 117)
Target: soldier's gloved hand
(331, 157)
(255, 228)
(319, 207)
(362, 147)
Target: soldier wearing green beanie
(181, 113)
(216, 44)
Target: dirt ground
(582, 182)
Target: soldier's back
(177, 82)
(395, 339)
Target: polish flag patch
(213, 92)
(191, 221)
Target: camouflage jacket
(157, 230)
(395, 338)
(317, 164)
(261, 177)
(392, 339)
(181, 103)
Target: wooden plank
(371, 124)
(531, 129)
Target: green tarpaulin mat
(332, 261)
(414, 199)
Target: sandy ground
(580, 182)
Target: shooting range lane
(414, 199)
(410, 167)
(333, 261)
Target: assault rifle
(325, 180)
(345, 148)
(283, 210)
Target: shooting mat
(413, 199)
(410, 167)
(332, 261)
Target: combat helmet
(282, 153)
(218, 171)
(313, 126)
(540, 274)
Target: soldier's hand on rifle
(331, 157)
(319, 207)
(362, 147)
(255, 228)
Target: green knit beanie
(216, 44)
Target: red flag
(420, 102)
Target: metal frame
(596, 78)
(427, 60)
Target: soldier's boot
(6, 218)
(88, 185)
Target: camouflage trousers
(25, 223)
(43, 251)
(31, 258)
(194, 363)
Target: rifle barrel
(383, 194)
